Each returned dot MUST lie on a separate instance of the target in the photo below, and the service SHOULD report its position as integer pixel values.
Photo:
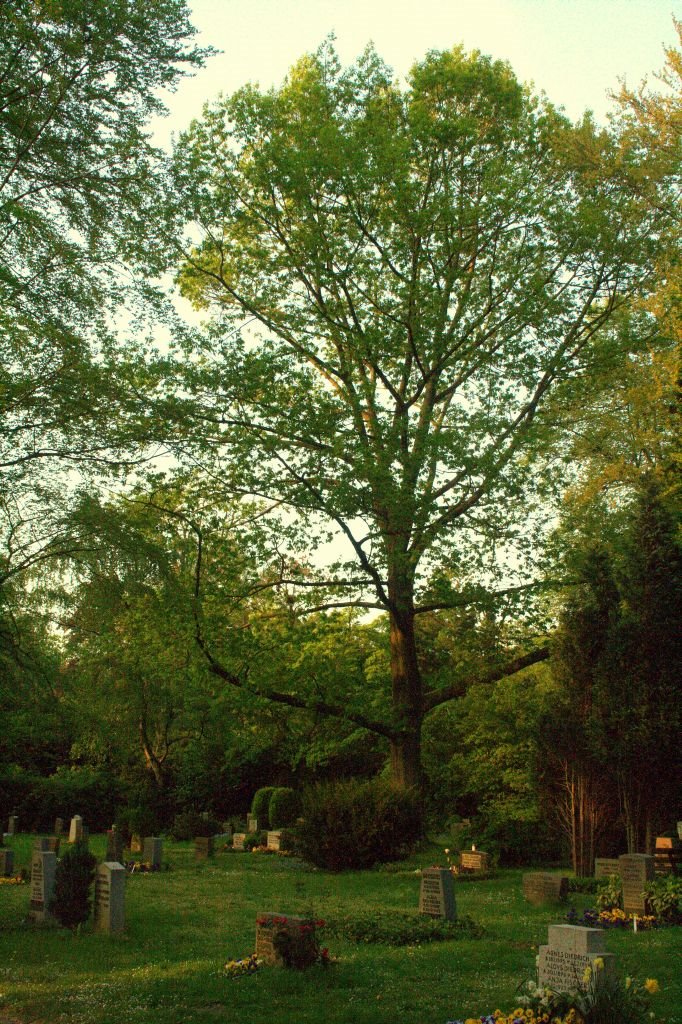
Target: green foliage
(353, 825)
(284, 807)
(393, 928)
(602, 998)
(610, 893)
(74, 876)
(254, 839)
(260, 805)
(38, 800)
(583, 884)
(664, 899)
(189, 824)
(139, 820)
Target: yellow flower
(628, 982)
(652, 986)
(587, 974)
(598, 963)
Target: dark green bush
(664, 898)
(254, 839)
(260, 805)
(284, 807)
(357, 824)
(74, 876)
(138, 820)
(584, 883)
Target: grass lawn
(182, 925)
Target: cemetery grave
(181, 928)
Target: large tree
(419, 267)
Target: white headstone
(76, 829)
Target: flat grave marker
(544, 887)
(474, 860)
(265, 949)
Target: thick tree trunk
(406, 682)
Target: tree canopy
(419, 268)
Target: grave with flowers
(284, 940)
(570, 952)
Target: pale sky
(575, 50)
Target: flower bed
(17, 880)
(614, 917)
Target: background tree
(79, 81)
(424, 266)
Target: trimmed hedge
(260, 805)
(284, 807)
(353, 825)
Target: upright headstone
(635, 870)
(605, 866)
(76, 829)
(12, 824)
(679, 830)
(569, 951)
(544, 887)
(437, 894)
(6, 862)
(152, 851)
(110, 897)
(205, 815)
(238, 840)
(274, 840)
(266, 924)
(252, 823)
(474, 860)
(43, 867)
(135, 843)
(668, 856)
(203, 847)
(114, 846)
(58, 826)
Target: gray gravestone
(679, 830)
(543, 887)
(252, 824)
(437, 894)
(135, 843)
(6, 863)
(605, 866)
(110, 897)
(238, 840)
(43, 867)
(152, 851)
(76, 829)
(635, 870)
(114, 846)
(203, 847)
(12, 824)
(569, 951)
